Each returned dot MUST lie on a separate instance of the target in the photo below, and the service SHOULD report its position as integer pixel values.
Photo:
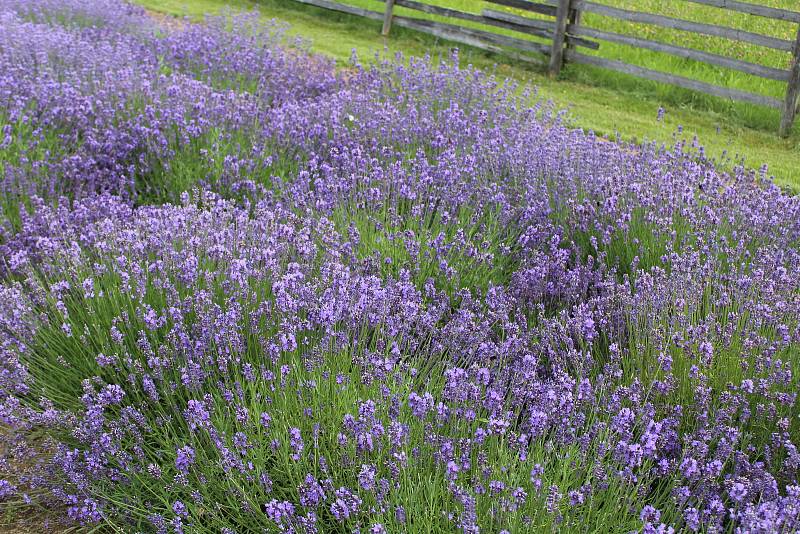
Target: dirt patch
(17, 516)
(33, 522)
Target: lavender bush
(248, 294)
(120, 108)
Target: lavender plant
(116, 107)
(398, 299)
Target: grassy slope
(600, 101)
(679, 9)
(665, 62)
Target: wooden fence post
(387, 18)
(575, 16)
(559, 36)
(793, 91)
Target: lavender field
(244, 291)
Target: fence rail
(752, 9)
(567, 33)
(684, 25)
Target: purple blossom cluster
(400, 299)
(96, 98)
(244, 53)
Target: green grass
(600, 100)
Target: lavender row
(108, 103)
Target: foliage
(264, 296)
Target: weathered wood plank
(559, 38)
(548, 25)
(688, 53)
(441, 11)
(752, 9)
(451, 13)
(685, 25)
(545, 25)
(732, 5)
(342, 8)
(672, 79)
(792, 92)
(534, 60)
(575, 18)
(387, 17)
(470, 35)
(533, 7)
(540, 31)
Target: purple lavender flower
(345, 504)
(311, 492)
(180, 509)
(296, 443)
(366, 477)
(197, 415)
(184, 459)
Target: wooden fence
(567, 35)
